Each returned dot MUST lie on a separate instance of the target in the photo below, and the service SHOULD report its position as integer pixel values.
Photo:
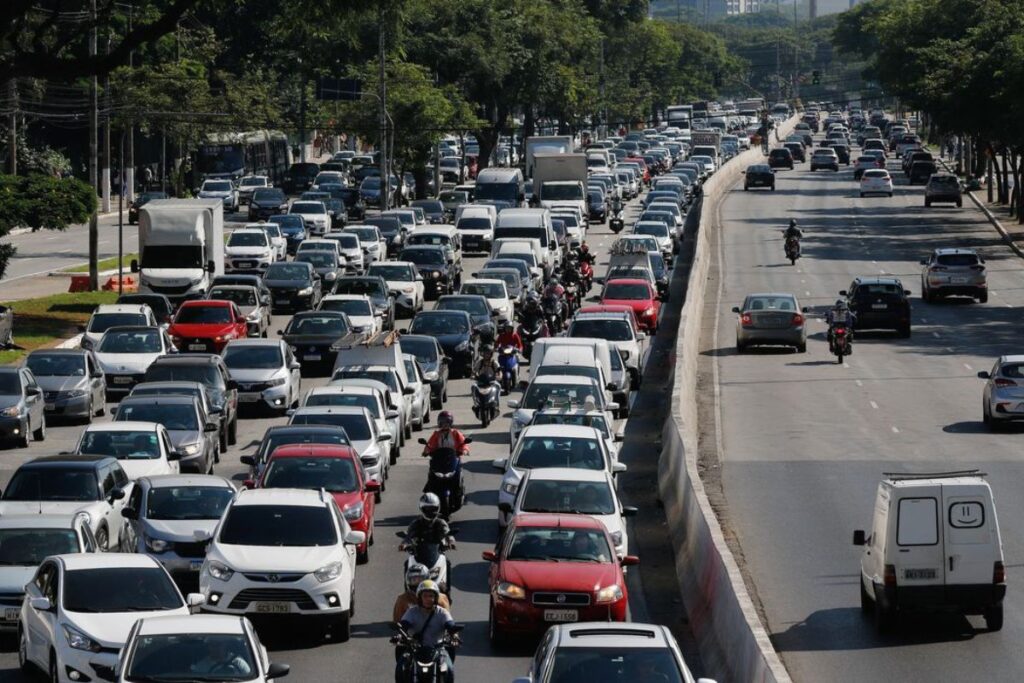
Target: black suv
(921, 171)
(879, 303)
(209, 370)
(943, 187)
(780, 158)
(759, 175)
(300, 177)
(439, 276)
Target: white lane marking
(894, 430)
(50, 239)
(859, 383)
(846, 365)
(873, 405)
(935, 334)
(881, 271)
(874, 261)
(803, 282)
(968, 366)
(807, 292)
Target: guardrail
(733, 644)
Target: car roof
(48, 521)
(313, 451)
(628, 280)
(282, 496)
(59, 352)
(191, 623)
(121, 308)
(560, 430)
(774, 294)
(568, 521)
(275, 343)
(620, 635)
(1018, 358)
(165, 399)
(199, 303)
(85, 462)
(173, 480)
(188, 359)
(77, 561)
(878, 281)
(325, 410)
(125, 426)
(945, 251)
(563, 379)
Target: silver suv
(952, 272)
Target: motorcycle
(444, 478)
(586, 275)
(485, 400)
(553, 315)
(572, 301)
(792, 249)
(425, 663)
(531, 334)
(508, 361)
(430, 555)
(842, 338)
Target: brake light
(936, 269)
(999, 573)
(890, 575)
(798, 319)
(745, 319)
(1003, 382)
(840, 331)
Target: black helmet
(792, 222)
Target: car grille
(281, 578)
(191, 549)
(169, 289)
(299, 597)
(51, 395)
(118, 381)
(562, 599)
(11, 599)
(253, 386)
(283, 293)
(772, 321)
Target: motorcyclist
(507, 336)
(792, 231)
(839, 314)
(554, 288)
(445, 436)
(430, 526)
(427, 622)
(585, 255)
(414, 576)
(487, 362)
(532, 311)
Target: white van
(535, 246)
(598, 347)
(571, 359)
(438, 235)
(933, 545)
(531, 224)
(475, 223)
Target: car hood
(183, 437)
(287, 284)
(268, 202)
(147, 467)
(54, 383)
(247, 375)
(246, 251)
(111, 628)
(200, 329)
(289, 559)
(364, 321)
(220, 194)
(311, 216)
(560, 576)
(450, 341)
(126, 363)
(178, 530)
(46, 507)
(14, 579)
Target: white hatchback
(876, 181)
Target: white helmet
(430, 505)
(415, 575)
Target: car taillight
(890, 575)
(745, 319)
(999, 573)
(840, 331)
(798, 319)
(1003, 382)
(936, 269)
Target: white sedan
(876, 181)
(494, 291)
(358, 308)
(404, 282)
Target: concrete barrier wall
(733, 644)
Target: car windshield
(248, 239)
(472, 306)
(359, 286)
(294, 526)
(288, 221)
(286, 271)
(347, 241)
(166, 658)
(364, 234)
(336, 475)
(203, 315)
(120, 589)
(581, 498)
(609, 329)
(173, 416)
(55, 365)
(101, 322)
(53, 484)
(344, 399)
(432, 257)
(385, 377)
(179, 372)
(392, 272)
(425, 350)
(187, 502)
(308, 207)
(320, 258)
(252, 182)
(945, 181)
(438, 324)
(355, 425)
(269, 196)
(591, 664)
(653, 229)
(123, 445)
(770, 303)
(136, 341)
(491, 290)
(217, 186)
(454, 197)
(595, 420)
(318, 325)
(29, 547)
(511, 280)
(547, 395)
(353, 307)
(241, 296)
(627, 291)
(558, 544)
(556, 451)
(249, 356)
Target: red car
(207, 325)
(639, 295)
(334, 468)
(554, 568)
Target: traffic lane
(901, 403)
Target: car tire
(363, 557)
(959, 203)
(802, 347)
(866, 603)
(26, 666)
(103, 539)
(904, 332)
(983, 298)
(223, 440)
(39, 434)
(741, 347)
(493, 634)
(884, 618)
(341, 628)
(233, 431)
(994, 617)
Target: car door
(97, 384)
(41, 625)
(971, 535)
(33, 398)
(294, 370)
(918, 547)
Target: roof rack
(901, 476)
(621, 247)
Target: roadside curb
(61, 273)
(70, 343)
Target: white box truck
(560, 180)
(181, 247)
(546, 144)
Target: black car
(879, 303)
(325, 264)
(209, 370)
(759, 175)
(292, 227)
(374, 287)
(474, 304)
(452, 200)
(842, 151)
(161, 306)
(391, 230)
(293, 286)
(354, 207)
(300, 177)
(311, 335)
(432, 208)
(245, 279)
(438, 274)
(434, 363)
(140, 201)
(453, 330)
(780, 158)
(921, 171)
(336, 209)
(267, 202)
(797, 150)
(597, 209)
(941, 187)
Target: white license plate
(11, 613)
(50, 406)
(122, 380)
(919, 574)
(197, 347)
(271, 607)
(958, 280)
(312, 356)
(879, 307)
(195, 565)
(244, 264)
(561, 615)
(248, 398)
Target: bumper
(476, 243)
(787, 337)
(522, 617)
(306, 597)
(86, 663)
(199, 345)
(959, 289)
(831, 167)
(258, 212)
(196, 464)
(67, 407)
(275, 398)
(951, 198)
(319, 229)
(970, 599)
(257, 267)
(11, 427)
(405, 301)
(121, 385)
(880, 321)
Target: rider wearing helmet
(532, 311)
(446, 436)
(839, 314)
(793, 231)
(585, 255)
(487, 362)
(414, 576)
(507, 336)
(427, 622)
(554, 288)
(429, 527)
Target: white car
(143, 448)
(115, 315)
(876, 181)
(671, 208)
(314, 215)
(329, 178)
(358, 308)
(267, 373)
(298, 536)
(373, 244)
(371, 398)
(559, 490)
(564, 390)
(204, 647)
(79, 609)
(249, 250)
(223, 190)
(420, 395)
(494, 291)
(387, 375)
(404, 282)
(125, 353)
(363, 433)
(578, 417)
(617, 328)
(392, 405)
(248, 185)
(351, 249)
(277, 238)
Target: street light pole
(94, 144)
(385, 178)
(120, 220)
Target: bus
(234, 155)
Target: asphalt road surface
(368, 656)
(804, 441)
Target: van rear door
(972, 537)
(918, 539)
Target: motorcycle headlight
(305, 291)
(511, 591)
(354, 511)
(79, 641)
(13, 411)
(219, 570)
(191, 449)
(435, 572)
(608, 594)
(328, 572)
(510, 488)
(156, 545)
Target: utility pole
(603, 131)
(12, 128)
(94, 276)
(106, 138)
(302, 120)
(778, 58)
(130, 174)
(382, 92)
(796, 52)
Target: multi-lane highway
(803, 441)
(368, 656)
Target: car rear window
(957, 259)
(886, 291)
(944, 181)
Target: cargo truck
(546, 144)
(560, 180)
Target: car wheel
(39, 433)
(26, 666)
(233, 431)
(364, 556)
(103, 539)
(223, 440)
(904, 332)
(959, 203)
(408, 430)
(801, 347)
(493, 634)
(983, 298)
(341, 629)
(54, 675)
(994, 617)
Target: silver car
(21, 406)
(952, 272)
(256, 312)
(1002, 400)
(267, 373)
(193, 433)
(73, 384)
(770, 318)
(223, 190)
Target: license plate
(122, 380)
(312, 356)
(50, 406)
(248, 398)
(879, 307)
(195, 565)
(958, 280)
(197, 347)
(561, 615)
(244, 264)
(919, 574)
(282, 302)
(11, 613)
(271, 607)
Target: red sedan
(338, 470)
(551, 569)
(639, 295)
(207, 325)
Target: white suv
(249, 250)
(283, 552)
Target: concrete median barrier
(733, 644)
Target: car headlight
(608, 594)
(328, 573)
(330, 276)
(649, 310)
(510, 488)
(219, 570)
(305, 291)
(191, 449)
(511, 591)
(157, 545)
(277, 382)
(13, 411)
(436, 275)
(353, 511)
(79, 641)
(224, 337)
(407, 290)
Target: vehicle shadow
(495, 438)
(722, 352)
(471, 577)
(811, 363)
(972, 427)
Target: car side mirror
(116, 494)
(842, 292)
(231, 385)
(195, 599)
(505, 507)
(295, 366)
(611, 405)
(384, 437)
(629, 561)
(172, 456)
(211, 427)
(355, 537)
(619, 467)
(499, 463)
(512, 403)
(249, 460)
(736, 309)
(859, 537)
(371, 486)
(97, 375)
(130, 513)
(40, 604)
(984, 374)
(489, 556)
(277, 670)
(629, 511)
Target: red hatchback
(207, 325)
(554, 569)
(638, 295)
(338, 470)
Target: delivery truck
(560, 180)
(546, 144)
